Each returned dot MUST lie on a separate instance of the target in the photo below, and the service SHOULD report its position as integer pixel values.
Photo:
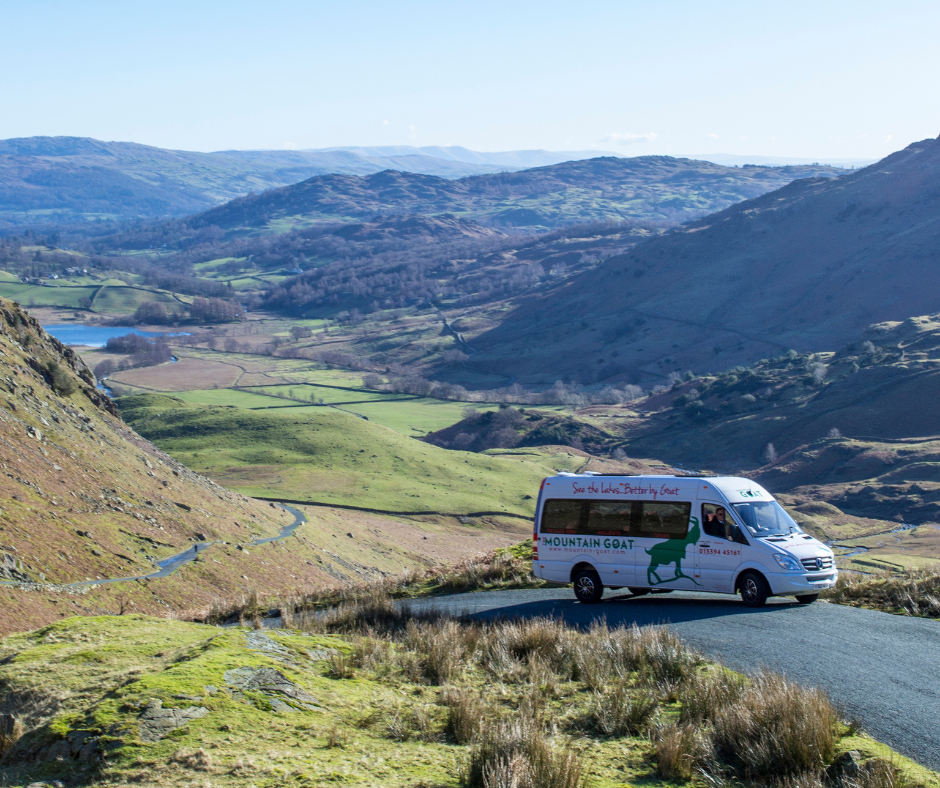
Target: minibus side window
(610, 518)
(561, 517)
(664, 520)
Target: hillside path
(878, 668)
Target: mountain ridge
(808, 266)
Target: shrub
(61, 381)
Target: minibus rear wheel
(754, 589)
(587, 586)
(806, 599)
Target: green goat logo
(672, 551)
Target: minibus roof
(735, 489)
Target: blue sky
(804, 79)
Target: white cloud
(888, 138)
(712, 136)
(627, 139)
(384, 122)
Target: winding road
(169, 565)
(880, 669)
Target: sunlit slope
(329, 456)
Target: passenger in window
(716, 522)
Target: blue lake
(97, 336)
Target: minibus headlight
(788, 563)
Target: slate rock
(267, 681)
(156, 722)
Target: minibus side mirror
(735, 535)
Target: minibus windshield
(766, 518)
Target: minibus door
(719, 550)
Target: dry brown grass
(621, 710)
(776, 726)
(467, 712)
(519, 754)
(914, 593)
(681, 751)
(503, 568)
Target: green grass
(39, 295)
(233, 398)
(414, 417)
(120, 299)
(325, 455)
(409, 416)
(386, 704)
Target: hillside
(649, 188)
(84, 497)
(808, 266)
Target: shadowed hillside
(808, 266)
(857, 428)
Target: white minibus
(653, 534)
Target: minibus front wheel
(754, 589)
(587, 586)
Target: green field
(325, 455)
(410, 416)
(40, 295)
(121, 299)
(232, 398)
(113, 296)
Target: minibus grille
(815, 564)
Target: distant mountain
(737, 160)
(648, 188)
(510, 160)
(49, 180)
(808, 266)
(65, 180)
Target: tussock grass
(913, 593)
(518, 754)
(621, 711)
(776, 726)
(732, 727)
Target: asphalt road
(879, 669)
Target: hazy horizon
(838, 82)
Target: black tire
(638, 591)
(754, 589)
(806, 599)
(587, 586)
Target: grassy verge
(368, 694)
(912, 593)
